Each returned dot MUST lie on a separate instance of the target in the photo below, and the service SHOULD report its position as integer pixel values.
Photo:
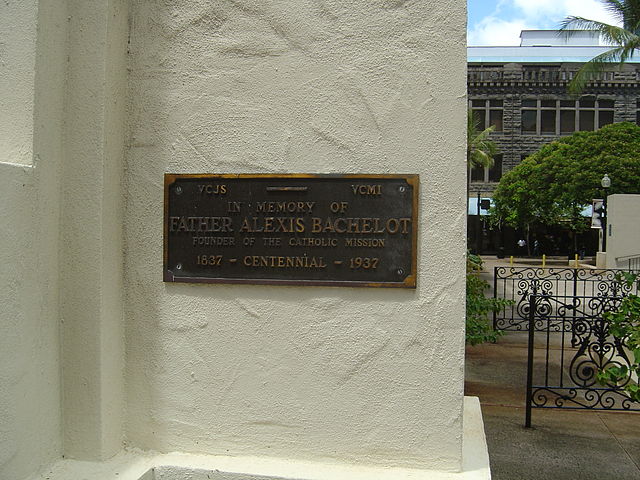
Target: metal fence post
(495, 296)
(532, 315)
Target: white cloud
(558, 9)
(511, 16)
(539, 8)
(495, 31)
(591, 9)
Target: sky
(499, 22)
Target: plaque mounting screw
(179, 190)
(400, 271)
(179, 266)
(402, 189)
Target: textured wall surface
(61, 235)
(17, 71)
(30, 392)
(353, 375)
(91, 295)
(624, 225)
(20, 359)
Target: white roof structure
(542, 46)
(554, 38)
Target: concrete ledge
(475, 454)
(137, 465)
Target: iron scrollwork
(519, 283)
(573, 358)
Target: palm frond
(625, 40)
(616, 8)
(598, 64)
(612, 34)
(572, 24)
(627, 12)
(480, 148)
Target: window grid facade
(564, 117)
(487, 112)
(488, 174)
(530, 111)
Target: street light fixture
(606, 183)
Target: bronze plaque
(336, 230)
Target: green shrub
(479, 306)
(624, 324)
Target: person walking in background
(521, 247)
(582, 252)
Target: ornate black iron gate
(519, 283)
(575, 345)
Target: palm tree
(625, 39)
(480, 152)
(480, 149)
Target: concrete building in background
(104, 368)
(522, 91)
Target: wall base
(135, 465)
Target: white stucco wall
(623, 223)
(20, 358)
(368, 376)
(61, 325)
(17, 79)
(362, 376)
(91, 294)
(31, 117)
(139, 465)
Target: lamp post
(606, 183)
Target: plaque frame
(409, 281)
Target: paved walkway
(576, 445)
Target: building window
(487, 113)
(563, 117)
(548, 122)
(477, 174)
(529, 121)
(488, 174)
(567, 121)
(495, 172)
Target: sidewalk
(563, 444)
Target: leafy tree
(624, 39)
(553, 185)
